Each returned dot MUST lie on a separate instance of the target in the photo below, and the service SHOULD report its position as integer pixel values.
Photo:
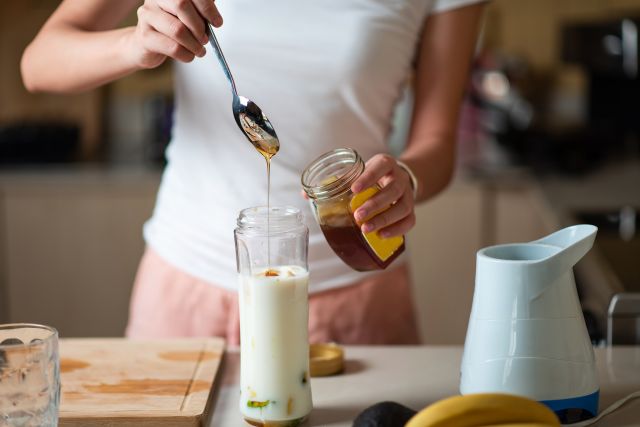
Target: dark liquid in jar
(350, 245)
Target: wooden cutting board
(115, 381)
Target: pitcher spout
(535, 266)
(574, 242)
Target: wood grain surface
(122, 382)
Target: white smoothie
(274, 358)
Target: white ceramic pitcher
(526, 332)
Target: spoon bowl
(253, 123)
(256, 126)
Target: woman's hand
(171, 29)
(396, 192)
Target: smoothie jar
(274, 311)
(327, 181)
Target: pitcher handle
(574, 242)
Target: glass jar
(29, 375)
(271, 255)
(327, 181)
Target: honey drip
(268, 151)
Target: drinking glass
(29, 376)
(271, 247)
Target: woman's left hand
(395, 193)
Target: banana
(485, 409)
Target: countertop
(417, 376)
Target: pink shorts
(168, 302)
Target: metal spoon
(249, 117)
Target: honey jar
(327, 181)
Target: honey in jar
(327, 181)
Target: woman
(328, 74)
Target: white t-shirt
(327, 73)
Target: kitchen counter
(417, 377)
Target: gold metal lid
(325, 359)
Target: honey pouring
(326, 181)
(273, 299)
(253, 123)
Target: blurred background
(549, 136)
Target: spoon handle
(223, 62)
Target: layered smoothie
(274, 373)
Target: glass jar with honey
(327, 181)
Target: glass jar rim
(282, 219)
(53, 334)
(312, 178)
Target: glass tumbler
(29, 376)
(273, 296)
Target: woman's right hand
(171, 29)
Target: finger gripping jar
(327, 181)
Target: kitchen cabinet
(72, 242)
(442, 249)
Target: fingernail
(202, 52)
(217, 21)
(367, 228)
(360, 214)
(385, 234)
(204, 39)
(356, 188)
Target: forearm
(66, 59)
(441, 75)
(432, 162)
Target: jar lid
(325, 359)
